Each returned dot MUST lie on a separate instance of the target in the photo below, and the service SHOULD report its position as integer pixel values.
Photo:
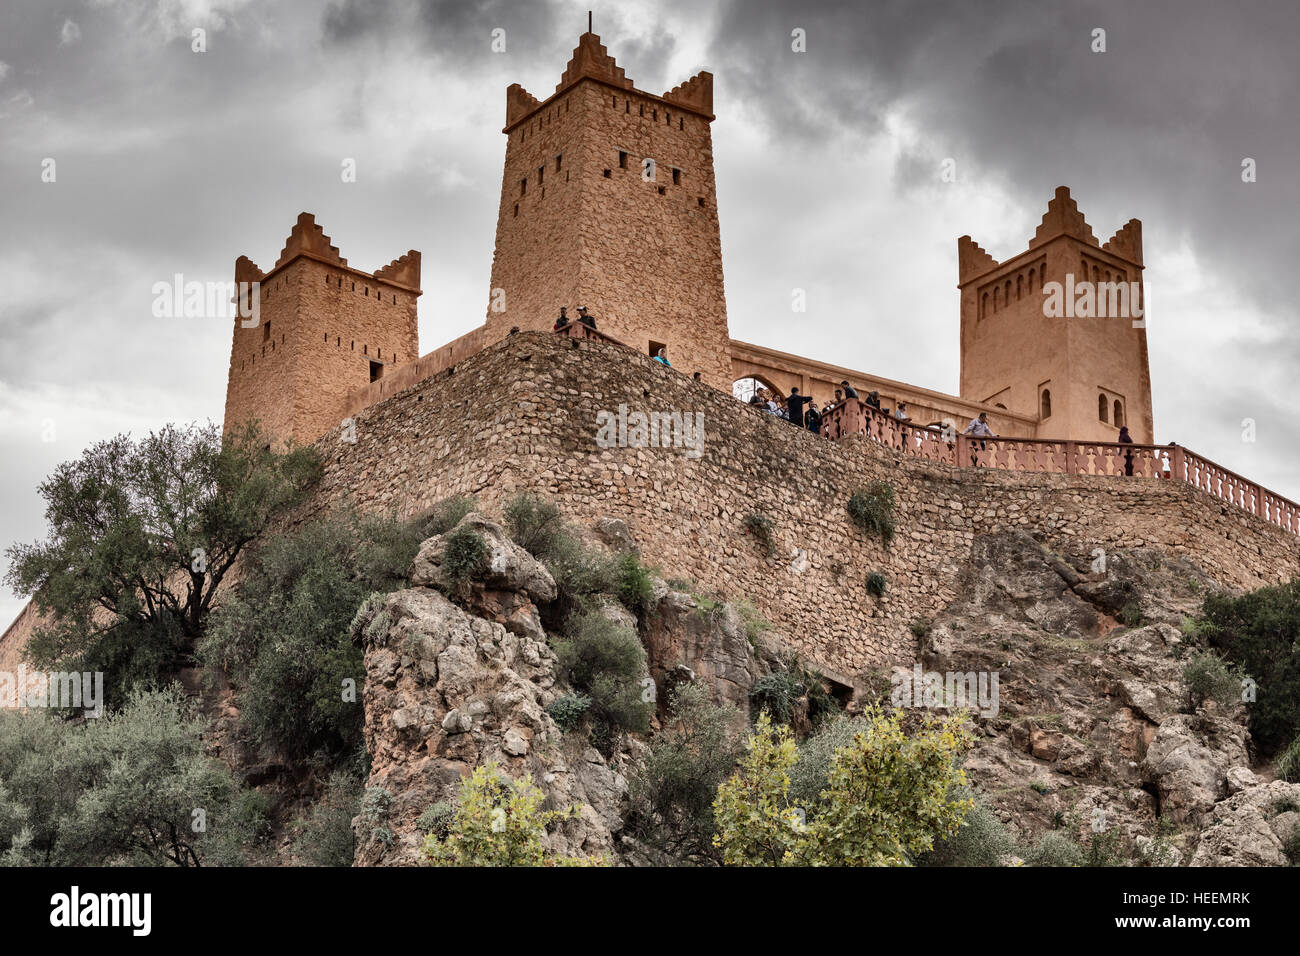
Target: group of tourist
(584, 318)
(589, 320)
(793, 410)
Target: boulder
(1251, 828)
(1188, 762)
(509, 567)
(447, 691)
(709, 643)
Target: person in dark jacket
(849, 390)
(585, 318)
(563, 320)
(794, 407)
(1127, 439)
(814, 417)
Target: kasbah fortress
(335, 361)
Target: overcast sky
(828, 168)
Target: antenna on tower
(588, 21)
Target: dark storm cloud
(175, 162)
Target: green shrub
(779, 693)
(763, 529)
(444, 516)
(464, 555)
(877, 583)
(580, 574)
(920, 629)
(888, 796)
(1288, 765)
(632, 584)
(1292, 847)
(284, 639)
(437, 820)
(605, 662)
(535, 524)
(325, 837)
(568, 711)
(1054, 849)
(671, 794)
(498, 822)
(982, 840)
(122, 790)
(1208, 676)
(808, 777)
(872, 510)
(1260, 633)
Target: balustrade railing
(952, 446)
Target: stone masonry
(522, 416)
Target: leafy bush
(437, 820)
(498, 822)
(1054, 849)
(763, 529)
(1288, 765)
(1209, 677)
(580, 574)
(605, 662)
(872, 510)
(568, 711)
(632, 584)
(876, 584)
(535, 524)
(779, 693)
(809, 776)
(888, 797)
(121, 790)
(464, 555)
(673, 791)
(981, 840)
(284, 639)
(1260, 633)
(325, 837)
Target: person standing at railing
(589, 321)
(849, 391)
(563, 320)
(978, 428)
(814, 418)
(873, 399)
(1127, 439)
(794, 407)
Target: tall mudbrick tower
(325, 329)
(608, 201)
(1082, 375)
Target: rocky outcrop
(1188, 763)
(448, 689)
(1253, 828)
(689, 640)
(1090, 723)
